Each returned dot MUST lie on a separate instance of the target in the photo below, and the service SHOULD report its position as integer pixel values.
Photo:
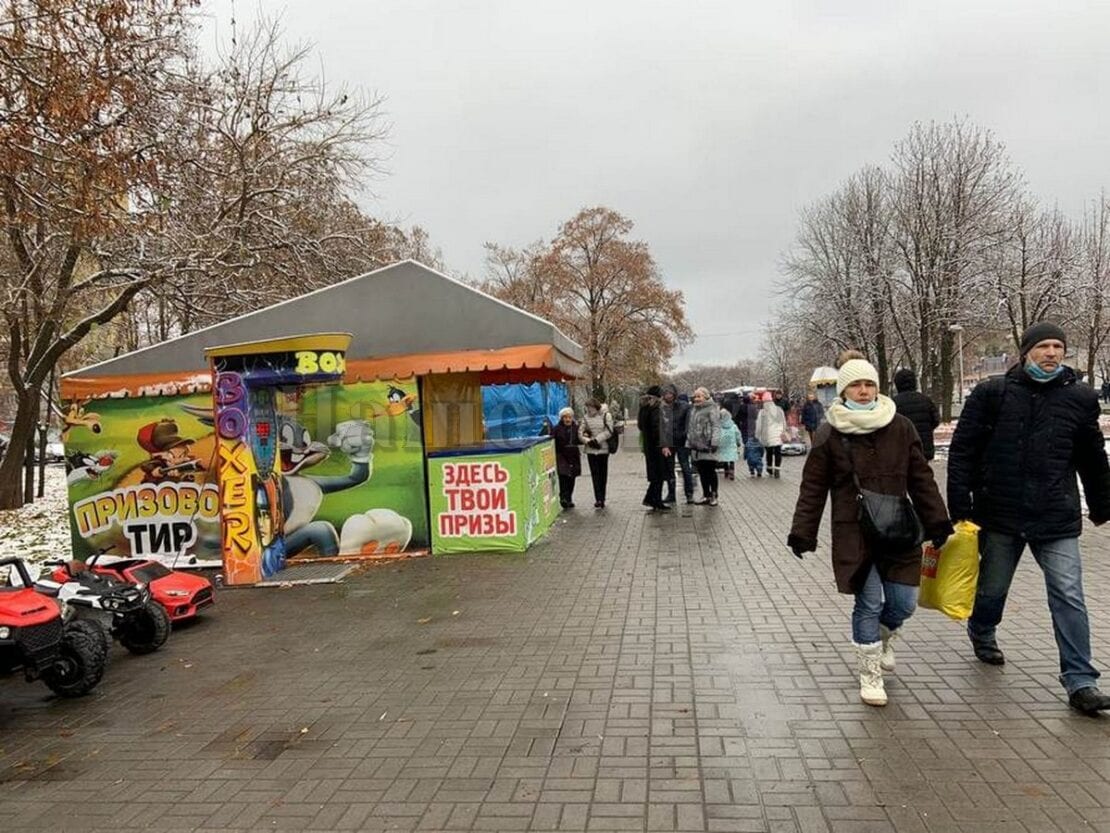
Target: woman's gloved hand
(799, 546)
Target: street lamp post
(959, 331)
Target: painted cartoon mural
(337, 470)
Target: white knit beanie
(854, 370)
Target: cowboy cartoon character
(171, 456)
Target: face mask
(1033, 370)
(859, 406)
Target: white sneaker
(871, 688)
(888, 635)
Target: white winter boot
(871, 690)
(888, 636)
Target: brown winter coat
(890, 461)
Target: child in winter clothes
(753, 456)
(730, 442)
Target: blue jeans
(881, 603)
(1063, 578)
(683, 455)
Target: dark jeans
(566, 490)
(707, 473)
(774, 456)
(599, 474)
(1063, 578)
(683, 455)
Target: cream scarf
(847, 421)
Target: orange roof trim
(526, 363)
(545, 359)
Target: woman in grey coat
(594, 431)
(704, 439)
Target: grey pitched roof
(400, 309)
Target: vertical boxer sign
(236, 469)
(245, 381)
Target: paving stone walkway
(632, 672)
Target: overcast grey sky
(708, 124)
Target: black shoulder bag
(889, 522)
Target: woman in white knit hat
(865, 437)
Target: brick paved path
(632, 672)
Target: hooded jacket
(728, 452)
(1018, 447)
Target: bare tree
(1093, 284)
(1032, 267)
(270, 158)
(954, 188)
(717, 377)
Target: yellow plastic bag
(949, 575)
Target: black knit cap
(904, 380)
(1041, 331)
(654, 390)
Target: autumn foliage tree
(603, 290)
(146, 192)
(84, 104)
(269, 158)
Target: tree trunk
(946, 386)
(23, 431)
(882, 360)
(1093, 343)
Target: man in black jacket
(658, 457)
(677, 415)
(917, 408)
(813, 414)
(1018, 446)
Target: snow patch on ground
(39, 530)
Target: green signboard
(498, 497)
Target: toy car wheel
(146, 630)
(82, 656)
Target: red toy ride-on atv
(69, 658)
(181, 594)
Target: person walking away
(745, 416)
(813, 414)
(568, 462)
(753, 456)
(865, 437)
(680, 421)
(728, 453)
(770, 425)
(917, 408)
(1019, 444)
(783, 401)
(594, 433)
(656, 454)
(1106, 390)
(704, 439)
